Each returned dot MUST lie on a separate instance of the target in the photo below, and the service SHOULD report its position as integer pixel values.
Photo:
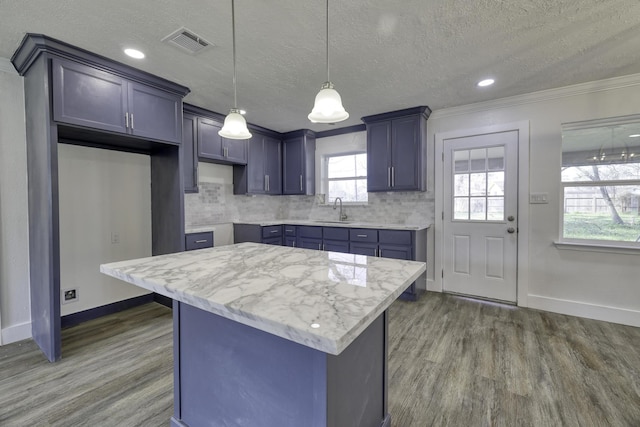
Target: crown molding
(7, 67)
(541, 96)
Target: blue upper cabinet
(216, 149)
(263, 172)
(90, 97)
(396, 150)
(189, 158)
(298, 163)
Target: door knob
(511, 218)
(511, 230)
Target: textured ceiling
(385, 55)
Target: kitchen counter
(277, 289)
(276, 336)
(348, 224)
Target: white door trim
(523, 201)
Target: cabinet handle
(361, 235)
(225, 151)
(389, 176)
(293, 244)
(201, 241)
(131, 120)
(265, 184)
(393, 176)
(268, 183)
(319, 246)
(126, 120)
(288, 231)
(300, 182)
(273, 231)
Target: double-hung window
(346, 177)
(601, 182)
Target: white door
(480, 215)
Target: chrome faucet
(343, 216)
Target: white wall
(15, 317)
(601, 285)
(102, 193)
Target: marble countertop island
(323, 300)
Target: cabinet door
(235, 150)
(88, 97)
(395, 251)
(405, 154)
(277, 241)
(195, 241)
(360, 248)
(293, 166)
(273, 164)
(255, 173)
(154, 113)
(335, 246)
(189, 158)
(209, 142)
(290, 241)
(378, 156)
(309, 243)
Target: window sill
(598, 247)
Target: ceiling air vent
(187, 40)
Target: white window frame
(325, 175)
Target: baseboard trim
(581, 309)
(14, 333)
(94, 313)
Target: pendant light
(235, 126)
(328, 105)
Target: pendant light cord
(233, 35)
(328, 79)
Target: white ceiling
(385, 55)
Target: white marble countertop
(278, 289)
(349, 224)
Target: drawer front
(310, 243)
(395, 237)
(368, 249)
(271, 231)
(363, 235)
(290, 230)
(310, 231)
(335, 233)
(198, 240)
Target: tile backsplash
(216, 204)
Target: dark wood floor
(452, 362)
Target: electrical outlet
(69, 295)
(538, 198)
(115, 237)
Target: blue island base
(230, 374)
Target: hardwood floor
(452, 362)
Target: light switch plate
(538, 198)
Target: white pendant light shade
(328, 106)
(235, 126)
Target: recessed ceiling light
(134, 53)
(635, 135)
(486, 82)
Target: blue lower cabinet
(364, 248)
(292, 242)
(335, 246)
(395, 252)
(195, 241)
(310, 243)
(273, 241)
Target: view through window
(347, 177)
(601, 181)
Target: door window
(478, 184)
